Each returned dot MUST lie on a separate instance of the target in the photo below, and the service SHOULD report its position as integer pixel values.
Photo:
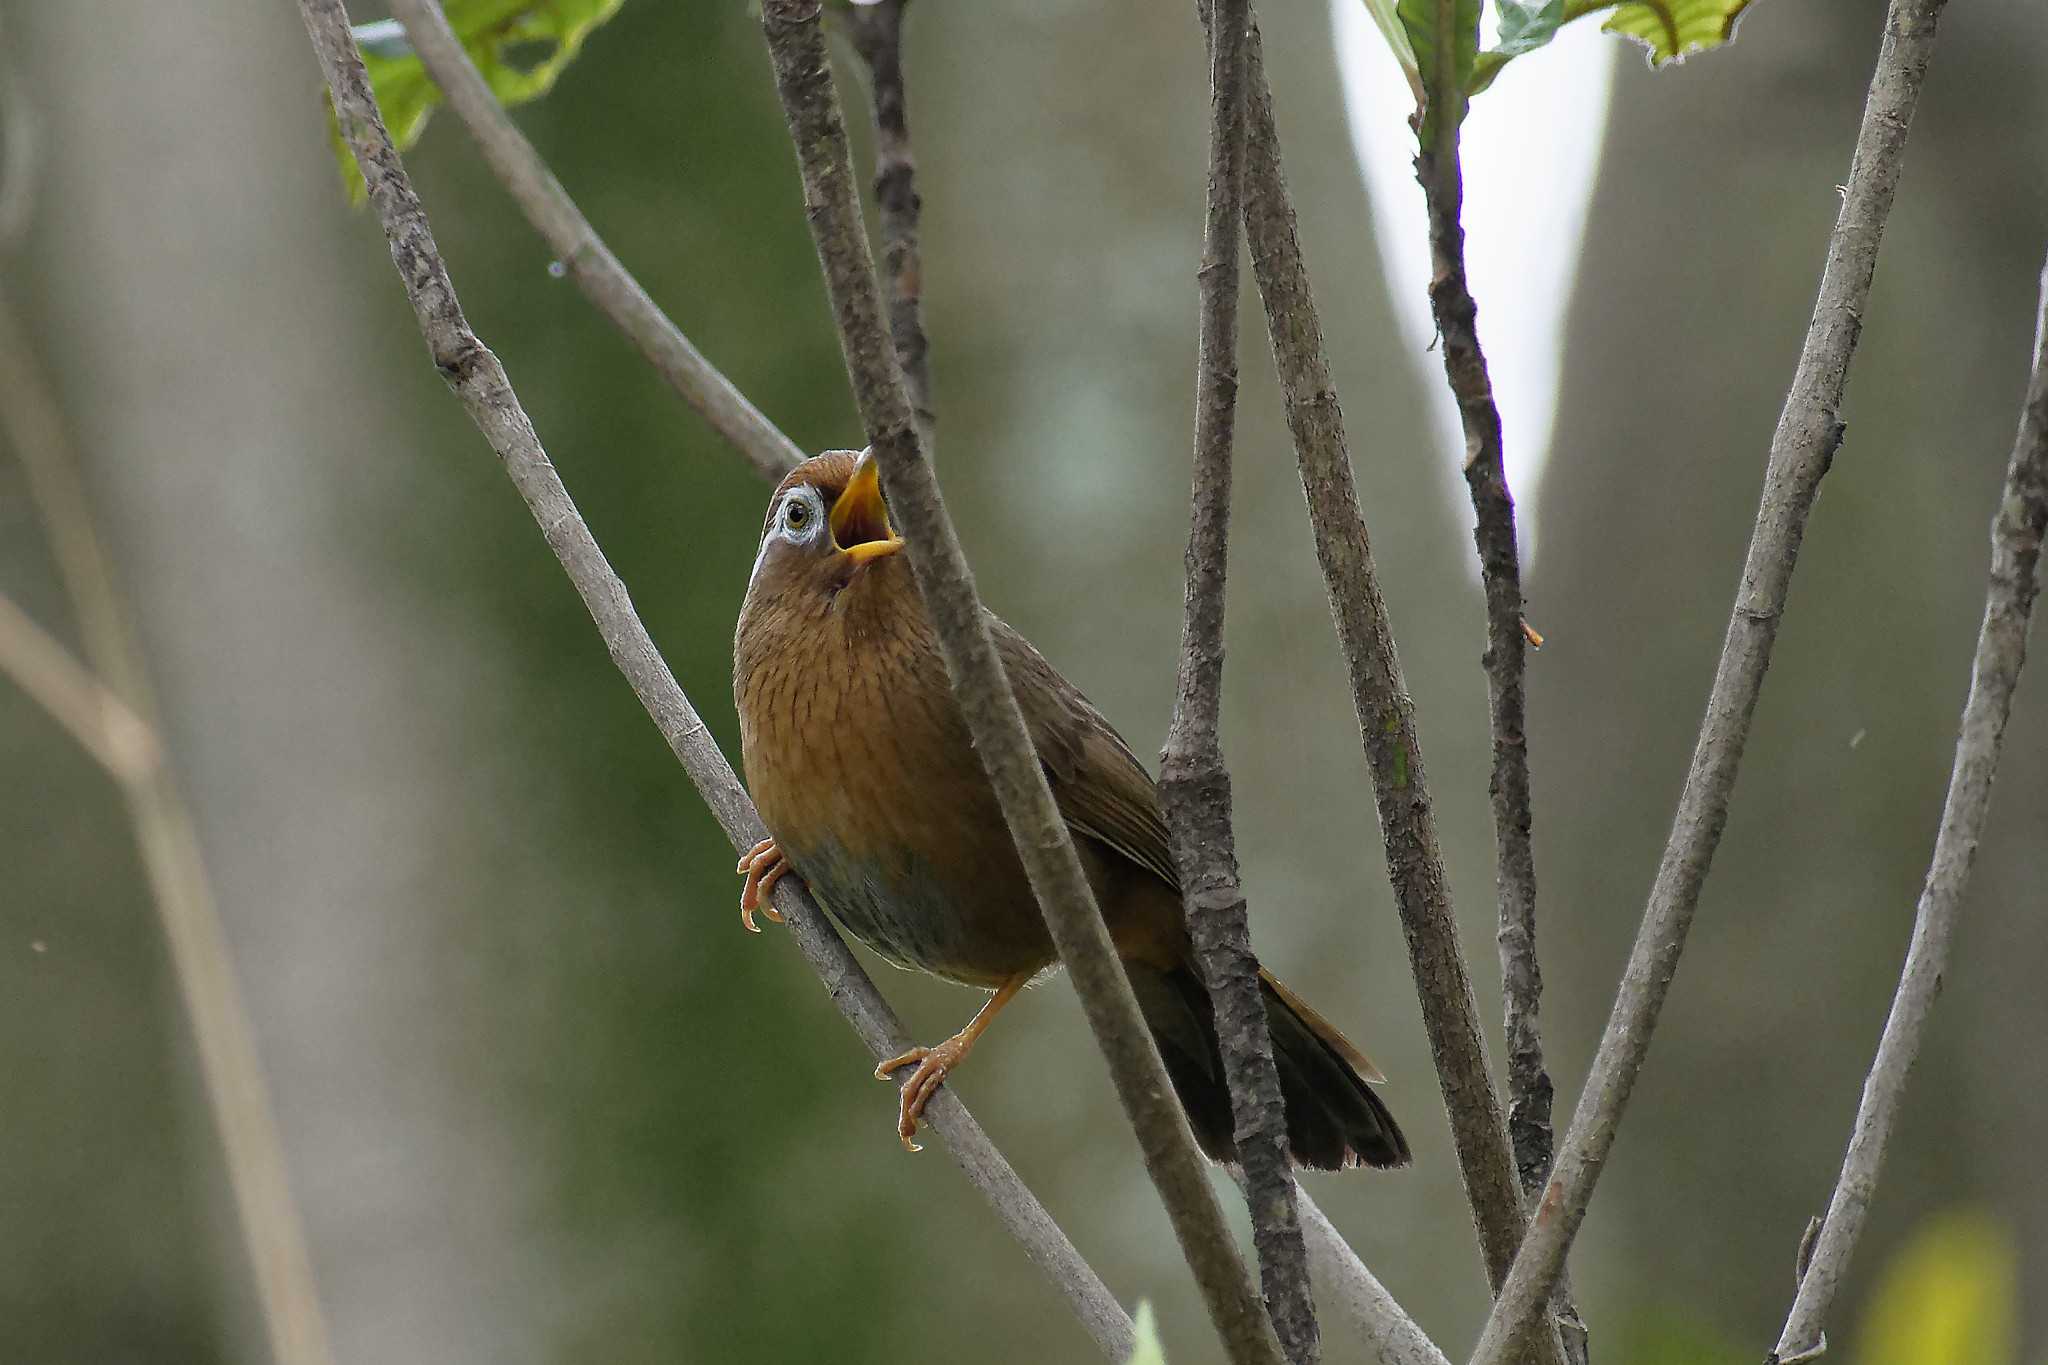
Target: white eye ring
(798, 520)
(803, 512)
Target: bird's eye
(797, 515)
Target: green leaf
(1388, 21)
(1675, 29)
(1671, 29)
(1526, 25)
(1951, 1294)
(1446, 76)
(519, 47)
(1148, 1351)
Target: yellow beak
(860, 520)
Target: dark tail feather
(1334, 1120)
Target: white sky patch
(1531, 147)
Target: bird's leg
(763, 866)
(934, 1062)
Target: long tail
(1334, 1120)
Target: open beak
(860, 521)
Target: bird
(861, 766)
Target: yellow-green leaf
(1950, 1296)
(1675, 29)
(519, 47)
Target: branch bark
(2016, 534)
(230, 1067)
(1809, 432)
(597, 272)
(1383, 1323)
(477, 378)
(878, 40)
(1386, 715)
(810, 103)
(1441, 172)
(1194, 784)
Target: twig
(1441, 172)
(1386, 715)
(878, 40)
(230, 1066)
(1809, 432)
(598, 273)
(1194, 784)
(810, 103)
(477, 378)
(1382, 1322)
(2016, 534)
(111, 734)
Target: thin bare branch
(1809, 432)
(111, 734)
(597, 272)
(2016, 534)
(1441, 172)
(477, 378)
(1386, 715)
(1379, 1320)
(230, 1066)
(878, 39)
(1194, 784)
(810, 102)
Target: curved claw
(763, 866)
(933, 1064)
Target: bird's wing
(1102, 789)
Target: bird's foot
(932, 1065)
(763, 866)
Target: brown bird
(862, 768)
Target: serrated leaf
(1675, 29)
(1444, 82)
(1147, 1351)
(1950, 1294)
(519, 47)
(1671, 29)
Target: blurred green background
(545, 1102)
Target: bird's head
(826, 522)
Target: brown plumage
(862, 769)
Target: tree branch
(1809, 432)
(1382, 1322)
(1441, 173)
(598, 273)
(101, 723)
(477, 378)
(810, 102)
(1386, 715)
(878, 40)
(2016, 534)
(230, 1067)
(1194, 784)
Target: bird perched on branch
(862, 768)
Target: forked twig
(117, 687)
(598, 273)
(477, 378)
(1809, 432)
(2016, 534)
(810, 102)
